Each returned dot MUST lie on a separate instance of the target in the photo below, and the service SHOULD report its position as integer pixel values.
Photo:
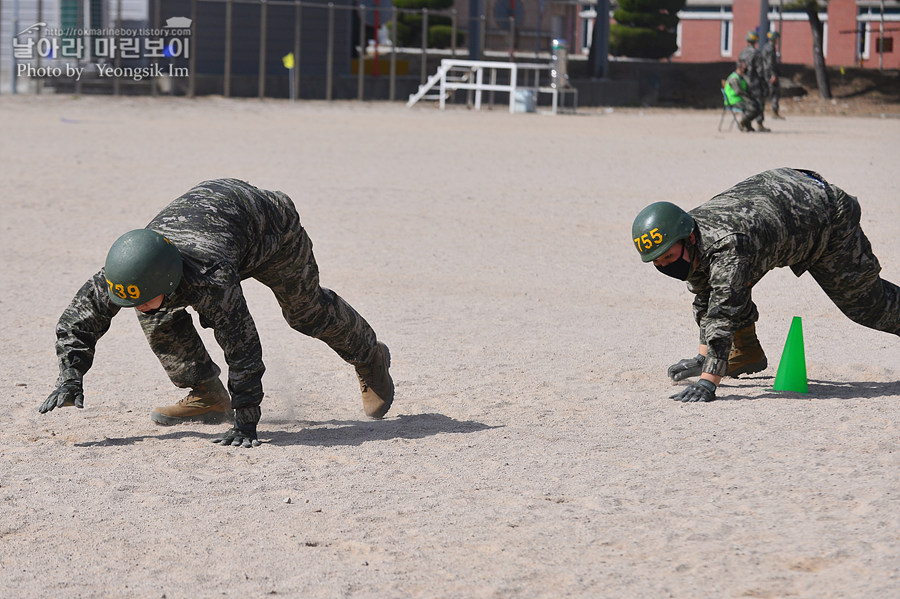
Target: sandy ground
(532, 450)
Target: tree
(409, 24)
(812, 8)
(645, 28)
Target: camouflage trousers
(293, 276)
(848, 271)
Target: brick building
(712, 31)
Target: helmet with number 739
(141, 265)
(658, 227)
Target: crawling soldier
(722, 248)
(195, 253)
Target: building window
(678, 39)
(587, 17)
(727, 31)
(864, 30)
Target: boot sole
(206, 418)
(387, 406)
(749, 369)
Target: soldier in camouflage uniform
(770, 72)
(195, 253)
(737, 94)
(781, 217)
(755, 77)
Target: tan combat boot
(376, 384)
(208, 402)
(747, 355)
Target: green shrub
(441, 36)
(645, 28)
(640, 42)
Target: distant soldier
(781, 217)
(195, 253)
(737, 94)
(770, 62)
(755, 76)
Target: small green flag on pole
(288, 60)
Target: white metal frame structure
(456, 74)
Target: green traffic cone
(792, 368)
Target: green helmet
(772, 35)
(141, 265)
(752, 36)
(657, 227)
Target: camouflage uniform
(770, 70)
(755, 77)
(782, 217)
(226, 231)
(738, 88)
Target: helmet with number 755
(658, 227)
(141, 265)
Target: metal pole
(80, 24)
(424, 64)
(154, 91)
(881, 40)
(512, 39)
(763, 22)
(39, 83)
(228, 30)
(298, 17)
(482, 30)
(453, 33)
(393, 86)
(493, 83)
(781, 26)
(375, 26)
(118, 60)
(263, 16)
(329, 56)
(599, 53)
(14, 74)
(192, 61)
(476, 26)
(361, 58)
(1, 43)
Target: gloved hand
(69, 393)
(244, 436)
(702, 390)
(687, 368)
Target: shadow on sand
(818, 389)
(333, 433)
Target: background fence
(249, 48)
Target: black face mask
(679, 269)
(156, 311)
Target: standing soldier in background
(195, 253)
(755, 76)
(770, 61)
(722, 248)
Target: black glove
(69, 393)
(702, 390)
(243, 433)
(239, 437)
(687, 368)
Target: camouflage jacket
(224, 229)
(751, 56)
(777, 218)
(769, 61)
